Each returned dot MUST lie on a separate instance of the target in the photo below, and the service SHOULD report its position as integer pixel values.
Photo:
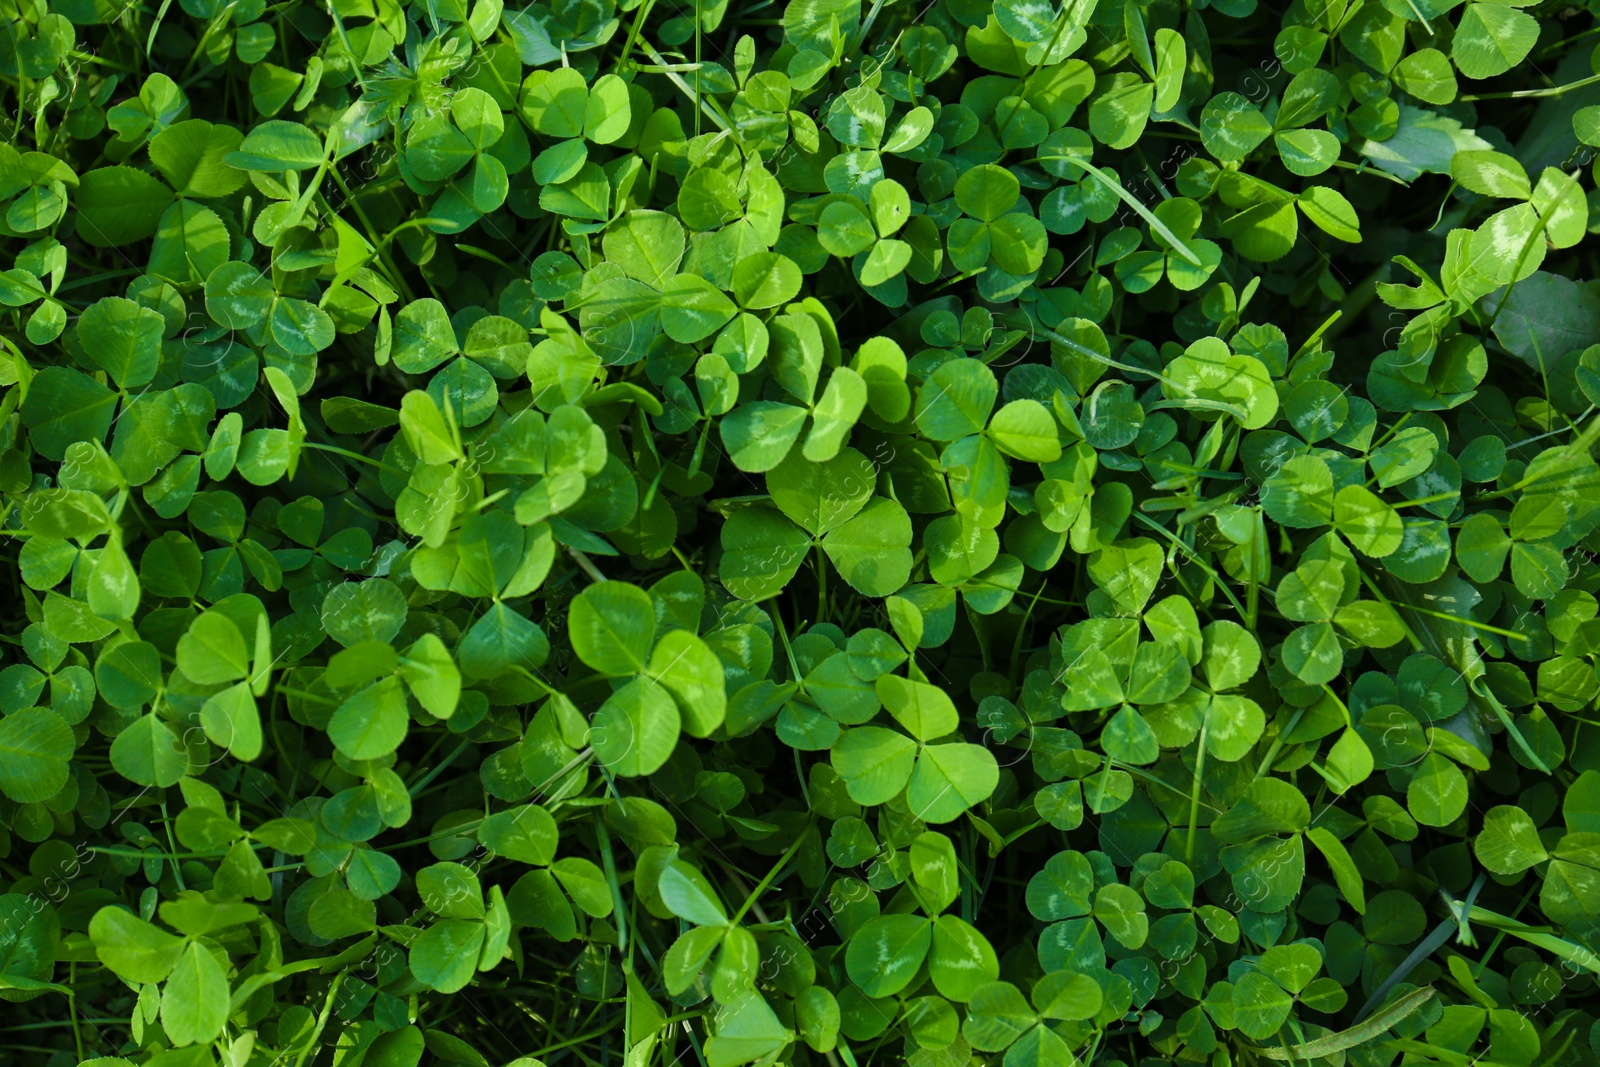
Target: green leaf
(707, 199)
(1260, 1006)
(635, 730)
(960, 959)
(758, 435)
(956, 400)
(1127, 571)
(844, 229)
(872, 550)
(1024, 430)
(749, 1030)
(875, 763)
(500, 640)
(230, 719)
(133, 948)
(1586, 124)
(1231, 127)
(647, 245)
(997, 1015)
(1437, 794)
(986, 192)
(423, 336)
(373, 610)
(693, 674)
(835, 414)
(1345, 872)
(237, 295)
(1331, 212)
(1118, 114)
(1491, 174)
(1424, 142)
(1374, 1027)
(124, 339)
(885, 954)
(693, 309)
(1490, 39)
(761, 552)
(765, 280)
(35, 745)
(688, 895)
(1171, 57)
(948, 780)
(28, 941)
(1542, 314)
(1120, 910)
(1127, 738)
(65, 406)
(1062, 888)
(371, 723)
(194, 1003)
(1509, 842)
(191, 242)
(119, 205)
(526, 834)
(444, 957)
(1369, 523)
(150, 752)
(451, 890)
(212, 650)
(924, 710)
(1426, 75)
(278, 146)
(191, 157)
(612, 628)
(935, 869)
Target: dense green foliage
(943, 532)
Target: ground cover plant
(657, 532)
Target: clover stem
(1500, 935)
(1115, 187)
(72, 997)
(1022, 629)
(344, 39)
(1194, 790)
(357, 456)
(1277, 743)
(440, 766)
(380, 246)
(866, 25)
(1194, 557)
(177, 868)
(1390, 432)
(315, 1041)
(211, 28)
(1416, 642)
(609, 862)
(699, 450)
(1527, 94)
(1328, 689)
(777, 868)
(1253, 593)
(1105, 782)
(1541, 218)
(702, 104)
(1472, 623)
(586, 564)
(633, 33)
(800, 776)
(822, 585)
(783, 636)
